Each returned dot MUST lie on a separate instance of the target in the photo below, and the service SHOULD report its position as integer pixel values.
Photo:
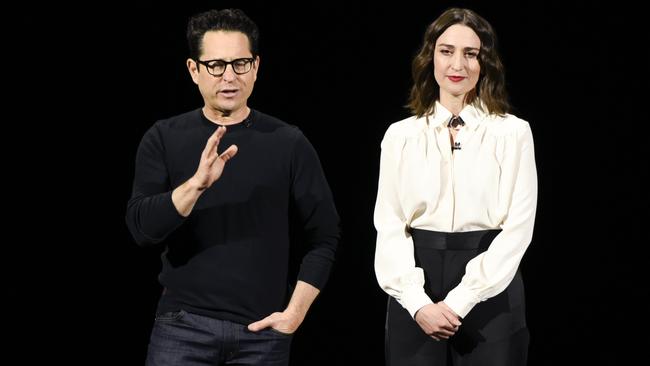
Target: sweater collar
(245, 123)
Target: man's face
(229, 92)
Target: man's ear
(193, 68)
(257, 67)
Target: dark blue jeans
(182, 338)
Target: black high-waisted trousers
(494, 332)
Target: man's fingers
(221, 130)
(259, 325)
(225, 156)
(213, 142)
(229, 153)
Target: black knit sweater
(229, 258)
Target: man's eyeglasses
(218, 67)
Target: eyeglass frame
(206, 63)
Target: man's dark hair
(233, 20)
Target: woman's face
(455, 61)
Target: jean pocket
(170, 316)
(277, 332)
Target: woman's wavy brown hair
(491, 85)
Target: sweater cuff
(169, 216)
(315, 274)
(413, 299)
(461, 301)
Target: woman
(456, 207)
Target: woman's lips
(456, 79)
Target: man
(223, 213)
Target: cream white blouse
(490, 183)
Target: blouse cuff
(461, 301)
(413, 299)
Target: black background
(92, 80)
